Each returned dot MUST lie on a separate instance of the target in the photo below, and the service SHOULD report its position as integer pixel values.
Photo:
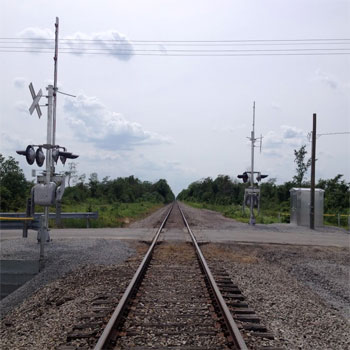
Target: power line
(122, 47)
(185, 41)
(309, 135)
(173, 44)
(175, 50)
(334, 133)
(179, 54)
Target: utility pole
(313, 166)
(252, 139)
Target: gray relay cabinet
(300, 206)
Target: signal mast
(50, 186)
(252, 193)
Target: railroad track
(174, 301)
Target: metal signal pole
(55, 81)
(313, 166)
(51, 134)
(50, 186)
(252, 139)
(45, 235)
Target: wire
(334, 133)
(175, 50)
(184, 41)
(122, 47)
(177, 55)
(185, 45)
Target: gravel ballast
(304, 308)
(61, 257)
(301, 293)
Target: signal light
(55, 155)
(244, 177)
(260, 177)
(63, 159)
(67, 155)
(40, 157)
(29, 153)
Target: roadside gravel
(152, 221)
(300, 293)
(61, 258)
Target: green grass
(235, 212)
(266, 216)
(109, 215)
(333, 221)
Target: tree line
(122, 189)
(15, 189)
(227, 191)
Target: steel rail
(118, 312)
(230, 323)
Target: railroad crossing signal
(38, 155)
(260, 177)
(29, 153)
(36, 99)
(244, 177)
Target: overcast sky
(180, 118)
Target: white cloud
(109, 42)
(291, 132)
(92, 122)
(272, 153)
(327, 79)
(21, 107)
(230, 129)
(277, 143)
(276, 106)
(37, 33)
(10, 143)
(19, 82)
